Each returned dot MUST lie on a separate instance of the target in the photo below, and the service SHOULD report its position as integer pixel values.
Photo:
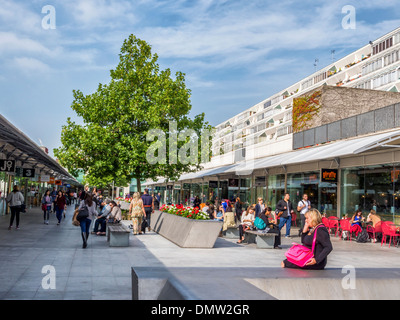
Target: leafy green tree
(111, 144)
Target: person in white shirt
(303, 206)
(248, 217)
(15, 199)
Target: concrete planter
(184, 232)
(124, 205)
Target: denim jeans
(85, 225)
(46, 214)
(59, 214)
(99, 221)
(288, 222)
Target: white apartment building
(266, 128)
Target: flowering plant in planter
(186, 212)
(123, 199)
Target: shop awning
(325, 152)
(15, 145)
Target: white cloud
(91, 14)
(31, 65)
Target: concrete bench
(263, 240)
(118, 235)
(232, 233)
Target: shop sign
(28, 173)
(186, 186)
(44, 178)
(7, 165)
(177, 187)
(213, 184)
(58, 182)
(329, 175)
(233, 183)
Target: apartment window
(267, 104)
(320, 77)
(307, 84)
(276, 99)
(383, 45)
(260, 117)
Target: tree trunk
(138, 184)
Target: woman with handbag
(316, 239)
(87, 212)
(15, 200)
(47, 202)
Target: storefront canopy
(15, 145)
(325, 152)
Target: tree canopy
(111, 145)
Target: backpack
(83, 213)
(363, 237)
(259, 223)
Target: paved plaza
(227, 271)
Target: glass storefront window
(322, 195)
(276, 189)
(372, 187)
(245, 191)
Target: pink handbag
(299, 254)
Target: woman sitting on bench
(247, 221)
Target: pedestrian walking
(53, 195)
(137, 212)
(47, 202)
(148, 204)
(87, 212)
(61, 205)
(15, 200)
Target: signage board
(44, 178)
(233, 183)
(329, 175)
(28, 173)
(7, 165)
(213, 184)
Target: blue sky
(234, 53)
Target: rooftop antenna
(333, 55)
(315, 64)
(41, 143)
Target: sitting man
(101, 219)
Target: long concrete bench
(263, 240)
(118, 235)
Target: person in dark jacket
(238, 209)
(285, 206)
(148, 204)
(323, 245)
(61, 204)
